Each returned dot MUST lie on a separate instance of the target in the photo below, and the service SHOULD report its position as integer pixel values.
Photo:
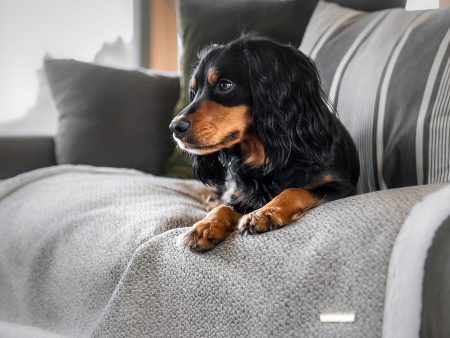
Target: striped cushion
(388, 75)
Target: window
(98, 31)
(412, 5)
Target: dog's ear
(291, 116)
(210, 170)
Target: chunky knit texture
(91, 252)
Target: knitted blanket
(91, 252)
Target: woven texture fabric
(91, 252)
(67, 234)
(388, 75)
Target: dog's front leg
(210, 231)
(284, 209)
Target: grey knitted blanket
(91, 252)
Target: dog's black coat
(302, 138)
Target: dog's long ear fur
(209, 169)
(291, 116)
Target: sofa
(88, 237)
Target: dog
(262, 132)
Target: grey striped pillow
(388, 75)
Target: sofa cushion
(112, 117)
(202, 22)
(388, 75)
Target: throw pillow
(388, 75)
(112, 117)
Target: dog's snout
(180, 128)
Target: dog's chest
(246, 194)
(248, 190)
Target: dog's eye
(224, 85)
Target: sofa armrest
(20, 154)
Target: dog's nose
(179, 128)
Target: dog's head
(219, 113)
(258, 94)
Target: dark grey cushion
(19, 154)
(112, 117)
(370, 5)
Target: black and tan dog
(262, 132)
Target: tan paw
(204, 235)
(263, 220)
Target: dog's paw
(263, 220)
(204, 235)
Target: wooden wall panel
(163, 35)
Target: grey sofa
(21, 154)
(90, 251)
